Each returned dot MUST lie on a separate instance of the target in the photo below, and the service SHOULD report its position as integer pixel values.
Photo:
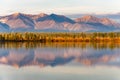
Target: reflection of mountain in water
(53, 54)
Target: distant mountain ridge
(93, 19)
(19, 22)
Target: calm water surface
(59, 61)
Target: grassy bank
(61, 37)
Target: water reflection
(33, 45)
(22, 54)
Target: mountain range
(19, 22)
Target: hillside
(54, 23)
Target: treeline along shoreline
(60, 37)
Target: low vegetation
(61, 37)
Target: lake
(59, 61)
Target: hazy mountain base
(55, 30)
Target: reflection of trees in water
(53, 54)
(83, 45)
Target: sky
(59, 6)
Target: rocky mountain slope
(3, 27)
(54, 22)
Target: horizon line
(60, 13)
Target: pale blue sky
(59, 6)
